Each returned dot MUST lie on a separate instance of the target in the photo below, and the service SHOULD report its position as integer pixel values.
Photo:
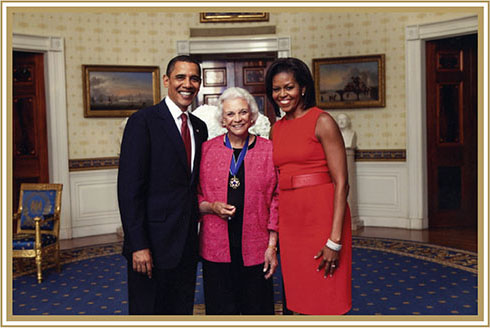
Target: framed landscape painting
(350, 82)
(119, 91)
(234, 17)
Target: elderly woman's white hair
(238, 93)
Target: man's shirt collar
(174, 109)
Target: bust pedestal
(356, 223)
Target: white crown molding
(224, 45)
(454, 27)
(36, 43)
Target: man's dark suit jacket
(156, 191)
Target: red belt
(303, 180)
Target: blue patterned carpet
(390, 277)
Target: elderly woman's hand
(223, 210)
(270, 261)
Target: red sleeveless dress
(305, 222)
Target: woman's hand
(330, 261)
(270, 261)
(223, 210)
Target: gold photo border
(378, 58)
(86, 69)
(296, 321)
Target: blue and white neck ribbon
(236, 163)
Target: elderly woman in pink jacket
(238, 201)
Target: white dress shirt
(175, 111)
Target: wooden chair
(38, 224)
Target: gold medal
(234, 182)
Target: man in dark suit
(157, 181)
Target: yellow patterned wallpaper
(140, 37)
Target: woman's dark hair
(182, 58)
(301, 74)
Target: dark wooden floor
(465, 239)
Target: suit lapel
(170, 128)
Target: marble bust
(348, 134)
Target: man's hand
(142, 262)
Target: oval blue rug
(389, 277)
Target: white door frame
(416, 36)
(56, 115)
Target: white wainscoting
(382, 195)
(94, 202)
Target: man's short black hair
(182, 58)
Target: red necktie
(186, 137)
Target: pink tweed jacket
(260, 210)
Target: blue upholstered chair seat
(26, 241)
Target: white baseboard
(65, 233)
(93, 230)
(385, 222)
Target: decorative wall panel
(382, 195)
(94, 204)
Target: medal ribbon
(235, 164)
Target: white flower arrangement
(262, 127)
(209, 114)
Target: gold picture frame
(119, 91)
(234, 17)
(214, 77)
(253, 76)
(350, 82)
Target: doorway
(247, 71)
(30, 147)
(452, 132)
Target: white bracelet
(333, 246)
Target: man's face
(183, 84)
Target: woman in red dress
(314, 219)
